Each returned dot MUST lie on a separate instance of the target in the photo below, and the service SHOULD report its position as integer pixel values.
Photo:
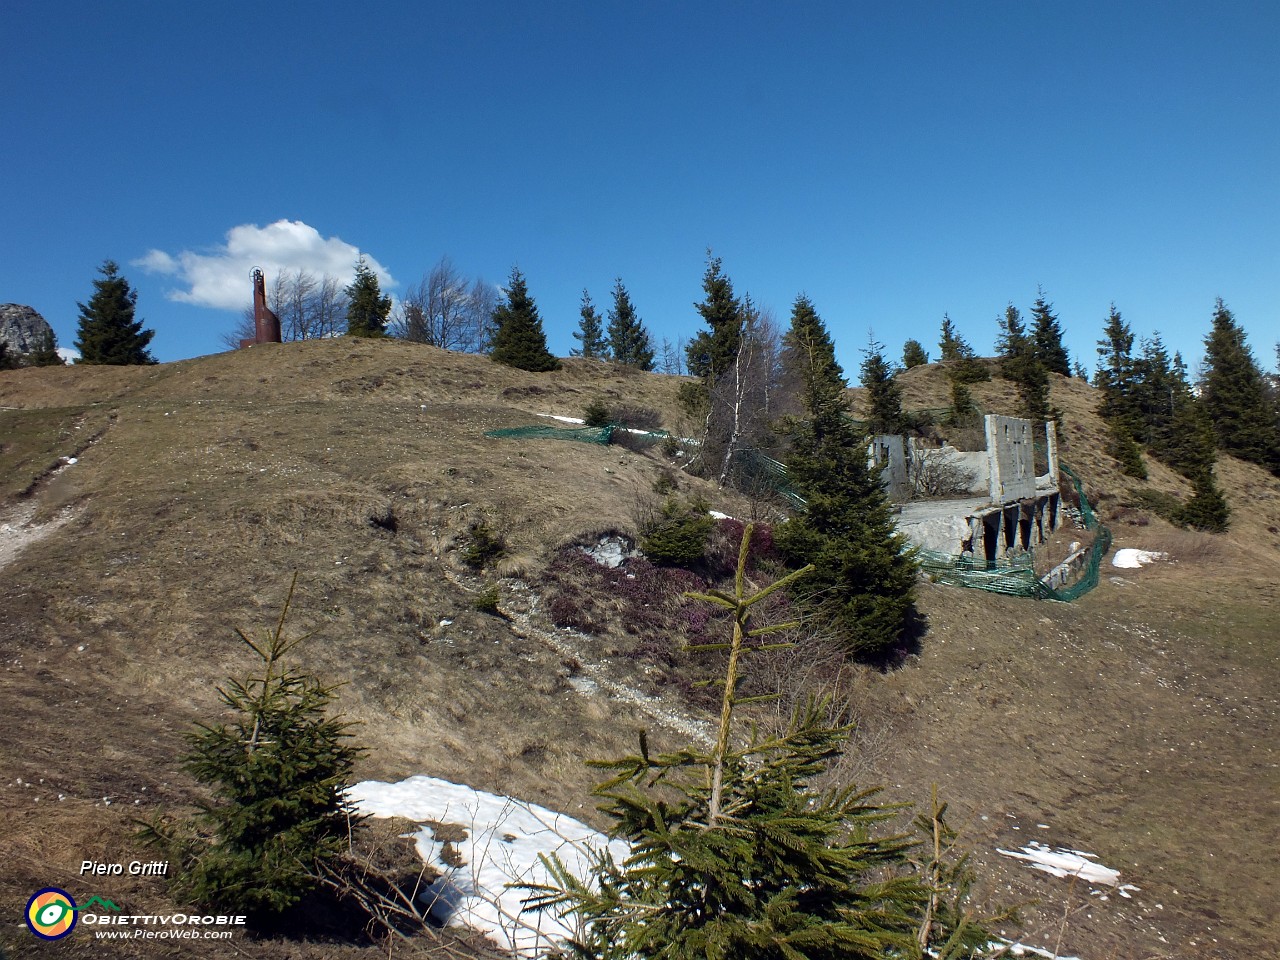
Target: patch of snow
(504, 840)
(578, 420)
(717, 515)
(1130, 559)
(1060, 862)
(610, 551)
(1013, 949)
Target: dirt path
(18, 529)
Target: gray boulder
(22, 328)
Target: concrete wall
(1011, 456)
(889, 453)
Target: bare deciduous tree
(445, 309)
(741, 397)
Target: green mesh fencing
(597, 435)
(1015, 575)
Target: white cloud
(221, 277)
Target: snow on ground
(578, 420)
(610, 551)
(1131, 559)
(1061, 862)
(504, 838)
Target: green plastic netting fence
(597, 435)
(1015, 576)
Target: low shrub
(638, 418)
(483, 547)
(677, 534)
(487, 600)
(597, 414)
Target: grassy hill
(1139, 723)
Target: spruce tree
(963, 412)
(46, 352)
(711, 352)
(367, 308)
(279, 771)
(864, 577)
(1235, 395)
(590, 332)
(1046, 337)
(951, 344)
(8, 361)
(628, 339)
(1122, 448)
(1207, 509)
(962, 364)
(884, 396)
(735, 855)
(108, 332)
(1115, 376)
(518, 339)
(1019, 364)
(1154, 394)
(913, 355)
(1012, 343)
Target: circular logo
(51, 913)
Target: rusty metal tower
(266, 325)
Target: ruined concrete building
(1010, 508)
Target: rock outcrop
(22, 328)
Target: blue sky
(894, 161)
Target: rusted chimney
(266, 325)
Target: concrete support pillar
(1051, 449)
(993, 459)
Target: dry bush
(1185, 546)
(818, 668)
(934, 474)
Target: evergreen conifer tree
(711, 352)
(1046, 336)
(884, 396)
(1115, 376)
(279, 771)
(367, 308)
(518, 339)
(1235, 395)
(864, 577)
(8, 361)
(108, 332)
(1018, 364)
(963, 412)
(1207, 509)
(590, 332)
(46, 352)
(913, 355)
(736, 856)
(1122, 448)
(951, 344)
(628, 339)
(963, 365)
(1012, 342)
